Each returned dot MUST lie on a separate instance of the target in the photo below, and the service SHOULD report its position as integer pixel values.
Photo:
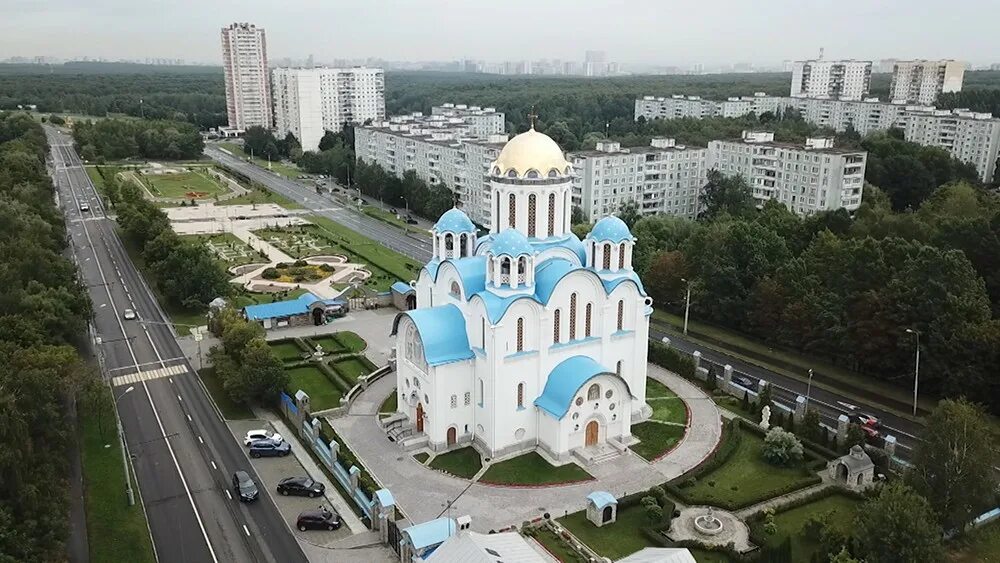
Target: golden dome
(531, 155)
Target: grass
(421, 457)
(745, 477)
(115, 531)
(616, 540)
(667, 407)
(351, 341)
(790, 522)
(260, 196)
(978, 546)
(393, 265)
(655, 438)
(390, 404)
(533, 469)
(322, 394)
(706, 556)
(289, 171)
(463, 462)
(555, 545)
(352, 368)
(329, 343)
(228, 249)
(195, 184)
(231, 410)
(390, 218)
(286, 350)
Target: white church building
(526, 337)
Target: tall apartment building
(244, 66)
(969, 136)
(662, 178)
(310, 101)
(453, 146)
(836, 80)
(807, 178)
(922, 81)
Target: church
(526, 338)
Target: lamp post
(121, 437)
(687, 305)
(809, 387)
(916, 368)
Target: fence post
(842, 424)
(800, 408)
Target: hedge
(335, 378)
(756, 522)
(668, 358)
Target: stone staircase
(399, 430)
(597, 454)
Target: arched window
(520, 395)
(449, 242)
(496, 217)
(531, 214)
(511, 211)
(621, 313)
(572, 316)
(482, 392)
(607, 256)
(482, 343)
(489, 270)
(553, 173)
(618, 370)
(455, 290)
(586, 327)
(532, 174)
(520, 334)
(552, 212)
(555, 326)
(594, 392)
(621, 256)
(505, 265)
(512, 173)
(463, 242)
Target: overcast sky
(663, 32)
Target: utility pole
(687, 305)
(916, 369)
(809, 387)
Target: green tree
(577, 217)
(261, 377)
(844, 556)
(724, 194)
(897, 525)
(629, 213)
(663, 279)
(781, 447)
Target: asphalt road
(182, 451)
(830, 404)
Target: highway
(182, 452)
(829, 404)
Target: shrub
(300, 263)
(746, 401)
(666, 357)
(782, 447)
(270, 274)
(654, 514)
(648, 501)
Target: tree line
(119, 139)
(43, 314)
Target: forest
(119, 139)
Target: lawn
(329, 343)
(555, 546)
(115, 531)
(706, 556)
(352, 368)
(228, 249)
(322, 394)
(667, 407)
(289, 171)
(231, 410)
(394, 264)
(390, 404)
(532, 469)
(196, 184)
(351, 341)
(978, 546)
(745, 478)
(286, 350)
(421, 457)
(463, 462)
(261, 195)
(250, 298)
(790, 523)
(656, 438)
(616, 540)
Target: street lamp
(687, 305)
(809, 387)
(121, 436)
(916, 368)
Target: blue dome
(454, 221)
(610, 229)
(512, 243)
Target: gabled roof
(402, 287)
(430, 533)
(297, 306)
(565, 380)
(442, 333)
(601, 499)
(471, 547)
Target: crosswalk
(137, 376)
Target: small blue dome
(610, 229)
(512, 243)
(454, 221)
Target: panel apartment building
(921, 81)
(454, 146)
(807, 178)
(679, 106)
(244, 67)
(310, 101)
(835, 80)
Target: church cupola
(510, 262)
(609, 246)
(454, 236)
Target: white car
(128, 314)
(254, 435)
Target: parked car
(300, 487)
(269, 448)
(319, 519)
(744, 381)
(245, 488)
(261, 434)
(411, 221)
(128, 314)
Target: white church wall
(612, 421)
(446, 408)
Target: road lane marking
(200, 441)
(189, 420)
(214, 466)
(139, 376)
(247, 530)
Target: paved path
(423, 493)
(373, 325)
(784, 499)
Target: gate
(394, 536)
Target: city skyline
(663, 36)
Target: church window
(489, 265)
(555, 326)
(532, 174)
(621, 313)
(468, 400)
(512, 173)
(579, 401)
(594, 392)
(621, 257)
(609, 392)
(531, 214)
(553, 173)
(427, 400)
(520, 334)
(586, 320)
(522, 269)
(576, 415)
(593, 253)
(416, 383)
(496, 217)
(572, 316)
(455, 291)
(505, 266)
(552, 212)
(482, 392)
(511, 211)
(520, 395)
(607, 256)
(463, 242)
(449, 243)
(454, 401)
(482, 343)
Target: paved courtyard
(423, 493)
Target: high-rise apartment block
(310, 101)
(968, 136)
(922, 81)
(836, 80)
(807, 178)
(244, 65)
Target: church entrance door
(452, 436)
(420, 417)
(592, 430)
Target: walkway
(778, 502)
(373, 325)
(424, 494)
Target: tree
(262, 375)
(663, 279)
(629, 213)
(725, 195)
(654, 514)
(855, 437)
(782, 447)
(577, 217)
(844, 556)
(953, 466)
(897, 525)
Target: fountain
(707, 524)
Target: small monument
(707, 524)
(319, 351)
(765, 417)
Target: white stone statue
(319, 351)
(765, 417)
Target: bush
(654, 514)
(668, 358)
(270, 274)
(300, 263)
(648, 501)
(782, 447)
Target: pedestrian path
(777, 502)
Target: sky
(646, 32)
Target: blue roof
(610, 285)
(385, 497)
(471, 270)
(601, 499)
(568, 241)
(297, 306)
(455, 221)
(401, 287)
(431, 533)
(442, 333)
(564, 381)
(610, 229)
(512, 243)
(496, 306)
(548, 274)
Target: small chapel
(525, 338)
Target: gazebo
(854, 470)
(602, 508)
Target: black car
(269, 448)
(744, 381)
(300, 487)
(319, 519)
(245, 488)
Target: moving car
(319, 519)
(84, 206)
(128, 314)
(865, 419)
(244, 486)
(300, 487)
(269, 448)
(261, 434)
